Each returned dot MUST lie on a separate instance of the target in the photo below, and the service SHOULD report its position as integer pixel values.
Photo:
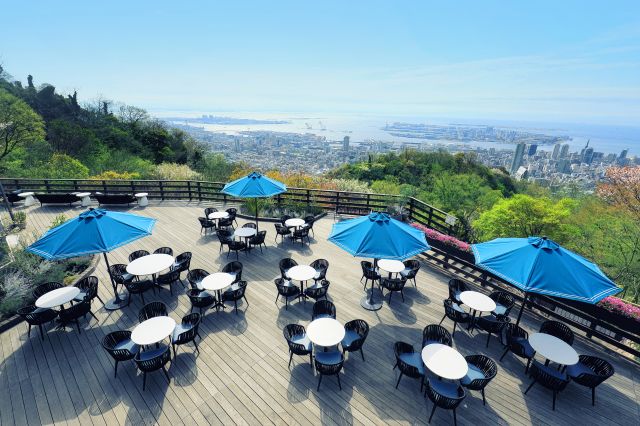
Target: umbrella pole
(256, 215)
(116, 302)
(524, 301)
(367, 302)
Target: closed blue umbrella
(378, 236)
(254, 185)
(539, 265)
(93, 231)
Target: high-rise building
(345, 143)
(237, 144)
(587, 155)
(564, 151)
(556, 151)
(532, 149)
(622, 158)
(517, 158)
(563, 166)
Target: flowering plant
(619, 306)
(434, 235)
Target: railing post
(133, 186)
(189, 188)
(308, 198)
(161, 190)
(410, 208)
(199, 191)
(337, 200)
(368, 201)
(46, 184)
(104, 186)
(430, 219)
(75, 185)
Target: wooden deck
(241, 374)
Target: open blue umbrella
(378, 236)
(540, 265)
(254, 185)
(93, 231)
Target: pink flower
(618, 305)
(432, 234)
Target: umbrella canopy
(254, 185)
(94, 231)
(378, 236)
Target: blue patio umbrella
(378, 236)
(93, 231)
(540, 265)
(254, 185)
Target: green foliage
(20, 218)
(15, 289)
(62, 166)
(173, 171)
(58, 220)
(20, 125)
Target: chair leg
(484, 401)
(553, 405)
(443, 317)
(166, 373)
(455, 420)
(432, 411)
(398, 382)
(339, 385)
(93, 315)
(144, 381)
(526, 369)
(115, 372)
(453, 333)
(504, 353)
(488, 337)
(402, 294)
(41, 331)
(290, 359)
(390, 294)
(235, 303)
(319, 381)
(593, 396)
(362, 353)
(530, 386)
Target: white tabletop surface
(294, 222)
(25, 194)
(244, 232)
(57, 297)
(217, 281)
(393, 266)
(477, 301)
(150, 264)
(325, 332)
(553, 349)
(83, 194)
(140, 194)
(218, 215)
(153, 330)
(301, 273)
(444, 361)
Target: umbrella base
(115, 304)
(369, 303)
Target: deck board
(241, 376)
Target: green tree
(62, 166)
(20, 125)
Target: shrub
(19, 218)
(432, 234)
(174, 171)
(58, 220)
(621, 307)
(15, 290)
(113, 175)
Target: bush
(58, 220)
(19, 219)
(174, 171)
(443, 238)
(15, 289)
(621, 307)
(113, 175)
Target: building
(622, 158)
(564, 151)
(345, 143)
(517, 158)
(587, 155)
(556, 151)
(533, 148)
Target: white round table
(57, 297)
(85, 198)
(302, 273)
(294, 222)
(325, 332)
(28, 198)
(150, 264)
(143, 201)
(478, 302)
(217, 282)
(244, 232)
(553, 349)
(444, 361)
(218, 215)
(391, 266)
(153, 330)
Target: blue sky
(575, 61)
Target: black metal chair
(393, 285)
(559, 330)
(233, 212)
(301, 234)
(517, 340)
(74, 313)
(250, 225)
(153, 360)
(455, 313)
(168, 279)
(308, 223)
(224, 236)
(118, 272)
(152, 310)
(200, 299)
(225, 223)
(206, 224)
(318, 290)
(369, 273)
(138, 287)
(456, 287)
(88, 289)
(284, 218)
(286, 290)
(235, 246)
(286, 264)
(235, 293)
(186, 332)
(321, 266)
(504, 303)
(164, 250)
(411, 270)
(195, 277)
(233, 268)
(281, 230)
(209, 210)
(590, 371)
(323, 309)
(445, 395)
(434, 333)
(45, 288)
(258, 240)
(120, 346)
(492, 325)
(548, 377)
(329, 364)
(36, 316)
(182, 264)
(409, 362)
(482, 370)
(137, 254)
(298, 342)
(356, 332)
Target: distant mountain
(212, 119)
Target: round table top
(218, 215)
(294, 222)
(83, 194)
(217, 281)
(140, 194)
(325, 332)
(150, 264)
(153, 330)
(244, 232)
(393, 266)
(25, 194)
(301, 273)
(444, 361)
(553, 349)
(478, 301)
(57, 297)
